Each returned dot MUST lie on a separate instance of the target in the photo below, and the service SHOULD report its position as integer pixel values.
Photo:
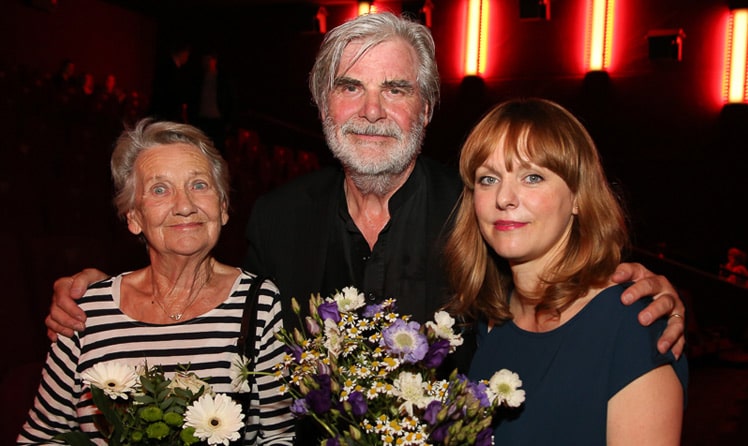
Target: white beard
(379, 174)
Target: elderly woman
(184, 308)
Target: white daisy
(333, 339)
(350, 299)
(216, 420)
(412, 390)
(114, 378)
(443, 328)
(239, 372)
(505, 386)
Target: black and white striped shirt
(206, 343)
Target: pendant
(176, 317)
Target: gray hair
(147, 134)
(371, 30)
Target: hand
(64, 314)
(666, 303)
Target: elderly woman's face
(177, 206)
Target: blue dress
(570, 373)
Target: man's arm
(64, 314)
(666, 303)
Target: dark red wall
(665, 138)
(100, 37)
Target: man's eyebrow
(345, 81)
(398, 83)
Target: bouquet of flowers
(368, 376)
(139, 405)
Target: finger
(59, 329)
(673, 337)
(51, 335)
(679, 347)
(655, 286)
(659, 307)
(623, 273)
(638, 289)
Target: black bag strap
(249, 319)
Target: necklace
(191, 299)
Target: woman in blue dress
(538, 234)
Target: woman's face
(525, 214)
(177, 206)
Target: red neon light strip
(736, 52)
(600, 20)
(476, 42)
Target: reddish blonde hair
(548, 135)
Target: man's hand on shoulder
(666, 303)
(65, 316)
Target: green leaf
(107, 408)
(75, 439)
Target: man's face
(376, 117)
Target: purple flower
(484, 437)
(299, 407)
(478, 390)
(436, 354)
(358, 404)
(312, 327)
(329, 310)
(404, 339)
(371, 310)
(440, 433)
(324, 381)
(432, 410)
(296, 351)
(320, 400)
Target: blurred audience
(214, 109)
(735, 269)
(170, 95)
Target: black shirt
(395, 268)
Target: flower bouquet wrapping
(368, 376)
(140, 406)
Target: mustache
(381, 129)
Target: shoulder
(99, 292)
(264, 286)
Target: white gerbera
(114, 378)
(239, 372)
(505, 386)
(216, 419)
(350, 299)
(412, 390)
(443, 328)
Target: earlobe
(133, 224)
(224, 214)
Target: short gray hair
(148, 133)
(371, 30)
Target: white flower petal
(505, 385)
(116, 379)
(239, 372)
(216, 419)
